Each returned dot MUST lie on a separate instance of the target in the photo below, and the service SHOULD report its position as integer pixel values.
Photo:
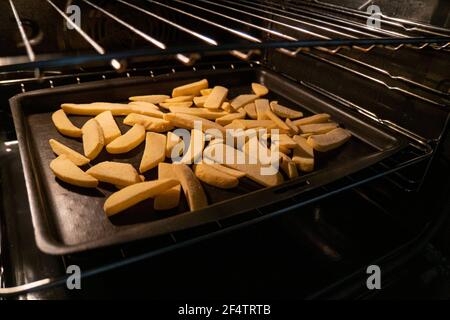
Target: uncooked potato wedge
(147, 105)
(317, 118)
(242, 100)
(128, 141)
(150, 123)
(60, 149)
(330, 140)
(108, 125)
(280, 123)
(192, 187)
(168, 105)
(145, 110)
(215, 177)
(303, 154)
(262, 107)
(135, 193)
(215, 99)
(318, 128)
(154, 152)
(172, 141)
(259, 89)
(251, 110)
(187, 121)
(285, 112)
(93, 140)
(292, 126)
(199, 112)
(253, 124)
(226, 106)
(288, 166)
(286, 141)
(240, 114)
(232, 172)
(179, 99)
(190, 89)
(170, 198)
(200, 101)
(235, 125)
(205, 92)
(95, 108)
(195, 149)
(68, 172)
(117, 173)
(154, 98)
(64, 125)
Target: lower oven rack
(390, 170)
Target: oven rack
(390, 170)
(291, 27)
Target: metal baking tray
(69, 219)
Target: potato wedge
(303, 154)
(172, 141)
(232, 172)
(253, 124)
(170, 198)
(251, 110)
(179, 99)
(226, 106)
(60, 149)
(240, 114)
(64, 125)
(150, 123)
(286, 141)
(285, 112)
(117, 173)
(188, 121)
(317, 118)
(262, 107)
(259, 89)
(195, 149)
(213, 177)
(68, 172)
(200, 101)
(145, 110)
(318, 128)
(199, 112)
(292, 126)
(288, 166)
(205, 92)
(192, 187)
(147, 105)
(95, 108)
(108, 125)
(235, 125)
(168, 105)
(135, 193)
(330, 140)
(128, 141)
(242, 100)
(154, 152)
(190, 89)
(280, 123)
(154, 98)
(216, 98)
(93, 140)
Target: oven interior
(316, 245)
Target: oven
(385, 64)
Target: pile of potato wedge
(153, 120)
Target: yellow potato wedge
(199, 112)
(60, 149)
(235, 125)
(303, 154)
(108, 125)
(284, 150)
(168, 105)
(242, 100)
(135, 193)
(154, 98)
(187, 121)
(251, 110)
(288, 166)
(205, 92)
(128, 141)
(179, 99)
(147, 105)
(117, 173)
(269, 177)
(226, 106)
(190, 89)
(317, 118)
(154, 152)
(285, 112)
(216, 98)
(232, 172)
(172, 141)
(170, 198)
(318, 128)
(150, 123)
(213, 177)
(64, 125)
(252, 124)
(200, 101)
(68, 172)
(286, 141)
(240, 114)
(195, 149)
(280, 123)
(292, 126)
(93, 140)
(145, 110)
(330, 140)
(262, 107)
(141, 179)
(259, 89)
(192, 187)
(95, 108)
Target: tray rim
(50, 245)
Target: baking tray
(68, 219)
